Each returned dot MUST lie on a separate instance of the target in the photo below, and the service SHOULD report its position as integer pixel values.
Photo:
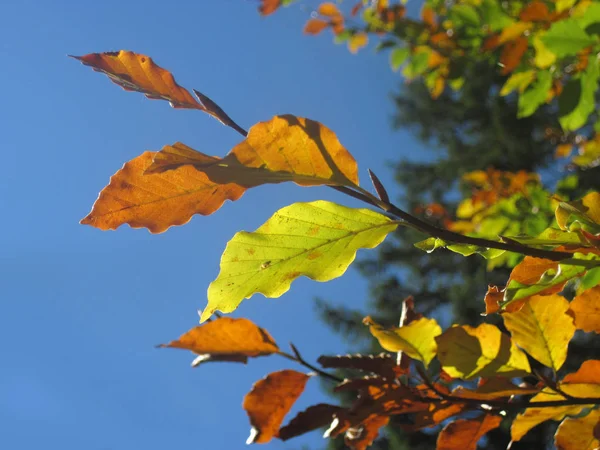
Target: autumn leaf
(536, 11)
(543, 328)
(428, 17)
(318, 240)
(585, 212)
(578, 434)
(586, 309)
(357, 41)
(436, 413)
(512, 53)
(157, 201)
(270, 400)
(417, 339)
(286, 148)
(328, 9)
(269, 6)
(226, 339)
(463, 434)
(359, 438)
(467, 352)
(383, 364)
(315, 26)
(314, 417)
(493, 388)
(512, 32)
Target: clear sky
(82, 309)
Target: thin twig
(299, 359)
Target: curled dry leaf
(226, 339)
(157, 201)
(464, 434)
(270, 400)
(312, 418)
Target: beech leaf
(318, 240)
(157, 201)
(578, 434)
(586, 308)
(270, 400)
(463, 434)
(317, 416)
(417, 339)
(543, 328)
(466, 352)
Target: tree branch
(297, 357)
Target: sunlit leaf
(512, 32)
(577, 100)
(586, 308)
(270, 400)
(518, 81)
(286, 148)
(157, 201)
(463, 434)
(566, 38)
(417, 339)
(494, 388)
(544, 58)
(543, 328)
(328, 9)
(315, 26)
(398, 56)
(586, 212)
(578, 434)
(357, 41)
(226, 337)
(467, 352)
(535, 95)
(318, 240)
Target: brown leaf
(436, 413)
(356, 384)
(493, 297)
(157, 201)
(362, 436)
(270, 400)
(317, 416)
(535, 11)
(464, 434)
(286, 148)
(269, 6)
(383, 364)
(215, 110)
(136, 72)
(315, 26)
(226, 339)
(512, 53)
(586, 309)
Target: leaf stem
(297, 357)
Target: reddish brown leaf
(215, 110)
(428, 17)
(226, 339)
(136, 72)
(586, 309)
(269, 6)
(494, 388)
(435, 413)
(512, 53)
(270, 400)
(383, 364)
(157, 201)
(317, 416)
(493, 297)
(356, 8)
(356, 384)
(315, 26)
(362, 436)
(464, 434)
(535, 11)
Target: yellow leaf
(328, 9)
(578, 434)
(357, 41)
(467, 352)
(512, 32)
(544, 58)
(588, 208)
(543, 328)
(417, 339)
(562, 5)
(518, 81)
(586, 308)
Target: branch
(299, 359)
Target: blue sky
(82, 308)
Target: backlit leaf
(226, 337)
(314, 417)
(361, 437)
(157, 201)
(467, 352)
(544, 58)
(577, 100)
(512, 32)
(286, 148)
(585, 211)
(328, 9)
(535, 95)
(463, 434)
(315, 26)
(358, 41)
(518, 81)
(318, 240)
(494, 388)
(398, 56)
(270, 400)
(417, 339)
(586, 308)
(566, 38)
(543, 328)
(578, 434)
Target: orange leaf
(287, 148)
(436, 413)
(157, 201)
(536, 11)
(315, 26)
(360, 438)
(270, 400)
(428, 17)
(226, 337)
(328, 10)
(512, 53)
(356, 8)
(493, 297)
(269, 6)
(464, 434)
(586, 308)
(563, 150)
(357, 41)
(578, 434)
(136, 72)
(512, 32)
(317, 416)
(494, 388)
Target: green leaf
(464, 14)
(590, 19)
(430, 244)
(493, 15)
(398, 56)
(550, 236)
(385, 44)
(519, 80)
(590, 279)
(417, 65)
(577, 100)
(535, 96)
(567, 270)
(567, 38)
(318, 240)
